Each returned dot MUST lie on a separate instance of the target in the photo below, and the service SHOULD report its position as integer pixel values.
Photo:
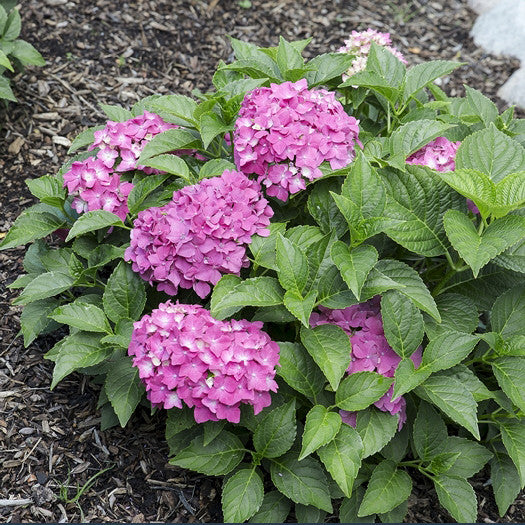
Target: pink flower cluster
(359, 44)
(199, 235)
(184, 354)
(96, 181)
(370, 349)
(284, 132)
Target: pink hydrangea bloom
(370, 349)
(184, 354)
(284, 132)
(359, 44)
(95, 182)
(200, 235)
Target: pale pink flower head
(286, 131)
(370, 349)
(358, 45)
(185, 355)
(200, 235)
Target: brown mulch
(103, 51)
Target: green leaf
(477, 250)
(122, 336)
(383, 62)
(242, 495)
(91, 221)
(510, 194)
(330, 348)
(212, 125)
(44, 286)
(302, 481)
(513, 435)
(350, 506)
(470, 380)
(491, 152)
(27, 54)
(288, 58)
(354, 264)
(458, 497)
(168, 141)
(450, 396)
(407, 377)
(510, 374)
(34, 319)
(124, 295)
(87, 317)
(481, 106)
(412, 136)
(299, 371)
(258, 291)
(30, 226)
(4, 61)
(301, 307)
(388, 487)
(177, 421)
(48, 189)
(360, 389)
(417, 200)
(292, 264)
(323, 208)
(320, 428)
(447, 350)
(513, 258)
(309, 514)
(326, 67)
(430, 432)
(508, 313)
(376, 429)
(215, 167)
(333, 291)
(420, 75)
(458, 313)
(263, 248)
(84, 138)
(6, 92)
(402, 323)
(221, 456)
(178, 109)
(472, 456)
(505, 481)
(79, 350)
(123, 388)
(342, 458)
(274, 509)
(171, 164)
(389, 274)
(275, 434)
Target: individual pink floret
(286, 131)
(184, 354)
(200, 235)
(359, 44)
(370, 349)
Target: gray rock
(480, 6)
(513, 91)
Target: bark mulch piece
(107, 52)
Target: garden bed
(96, 55)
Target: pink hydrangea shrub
(96, 181)
(200, 235)
(284, 132)
(184, 354)
(370, 349)
(359, 44)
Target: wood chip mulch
(101, 51)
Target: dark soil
(103, 51)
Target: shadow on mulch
(107, 52)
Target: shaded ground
(100, 51)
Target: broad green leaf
(123, 388)
(48, 189)
(513, 258)
(380, 60)
(288, 58)
(333, 291)
(420, 75)
(376, 429)
(458, 497)
(327, 67)
(350, 507)
(302, 481)
(321, 426)
(171, 164)
(221, 456)
(34, 319)
(212, 125)
(402, 323)
(396, 515)
(354, 264)
(84, 138)
(301, 307)
(478, 250)
(451, 397)
(388, 487)
(104, 254)
(116, 113)
(275, 434)
(470, 381)
(177, 421)
(6, 92)
(87, 317)
(309, 514)
(491, 152)
(481, 106)
(124, 295)
(360, 389)
(79, 350)
(44, 286)
(216, 167)
(429, 433)
(242, 495)
(330, 348)
(263, 248)
(458, 313)
(412, 136)
(274, 509)
(510, 194)
(30, 226)
(407, 377)
(122, 336)
(292, 264)
(319, 260)
(342, 457)
(91, 221)
(299, 371)
(506, 482)
(471, 459)
(447, 350)
(417, 200)
(508, 313)
(4, 61)
(258, 291)
(168, 141)
(510, 374)
(323, 208)
(27, 54)
(513, 435)
(225, 285)
(176, 108)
